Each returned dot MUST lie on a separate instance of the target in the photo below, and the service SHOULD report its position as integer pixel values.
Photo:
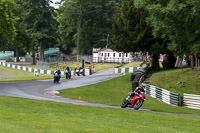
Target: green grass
(72, 65)
(98, 66)
(20, 75)
(169, 80)
(113, 91)
(31, 116)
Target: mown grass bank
(72, 65)
(178, 80)
(31, 116)
(97, 66)
(20, 75)
(113, 91)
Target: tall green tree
(131, 33)
(96, 23)
(40, 24)
(7, 21)
(67, 16)
(177, 20)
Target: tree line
(159, 27)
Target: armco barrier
(126, 70)
(49, 72)
(191, 101)
(163, 95)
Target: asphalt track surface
(46, 90)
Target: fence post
(180, 100)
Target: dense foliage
(157, 27)
(7, 21)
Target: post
(180, 100)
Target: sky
(56, 6)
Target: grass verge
(20, 75)
(113, 91)
(31, 116)
(178, 80)
(72, 65)
(98, 66)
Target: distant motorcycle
(134, 102)
(77, 71)
(56, 78)
(82, 71)
(68, 74)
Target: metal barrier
(191, 101)
(163, 95)
(42, 71)
(127, 70)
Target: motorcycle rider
(77, 71)
(139, 88)
(59, 73)
(68, 71)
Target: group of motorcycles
(79, 71)
(134, 100)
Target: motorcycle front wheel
(124, 103)
(138, 104)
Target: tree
(67, 17)
(177, 20)
(131, 33)
(40, 23)
(7, 21)
(96, 23)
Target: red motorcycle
(135, 101)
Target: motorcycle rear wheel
(124, 103)
(138, 104)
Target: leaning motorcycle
(82, 72)
(134, 102)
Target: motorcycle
(68, 74)
(82, 72)
(135, 101)
(77, 71)
(56, 78)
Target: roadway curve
(43, 90)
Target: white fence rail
(163, 95)
(42, 71)
(191, 101)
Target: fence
(42, 71)
(111, 60)
(191, 101)
(127, 70)
(163, 95)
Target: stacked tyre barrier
(41, 71)
(163, 95)
(191, 101)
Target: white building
(109, 56)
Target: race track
(45, 90)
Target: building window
(113, 54)
(108, 54)
(101, 54)
(126, 54)
(120, 54)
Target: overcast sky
(56, 6)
